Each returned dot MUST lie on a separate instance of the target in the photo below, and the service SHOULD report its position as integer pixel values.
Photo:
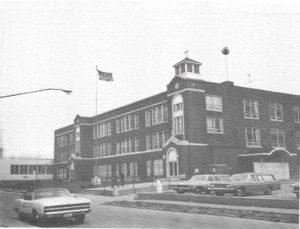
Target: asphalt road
(103, 216)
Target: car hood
(188, 182)
(53, 201)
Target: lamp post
(41, 90)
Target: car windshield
(51, 193)
(239, 177)
(198, 178)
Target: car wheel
(199, 190)
(268, 191)
(80, 218)
(240, 192)
(220, 193)
(35, 216)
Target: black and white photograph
(149, 114)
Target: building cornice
(186, 89)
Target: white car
(51, 203)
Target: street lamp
(29, 92)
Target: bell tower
(188, 68)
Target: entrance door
(281, 170)
(172, 164)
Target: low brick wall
(226, 200)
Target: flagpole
(96, 91)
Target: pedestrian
(122, 179)
(13, 186)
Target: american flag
(105, 76)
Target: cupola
(187, 68)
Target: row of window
(156, 115)
(127, 123)
(64, 140)
(30, 169)
(102, 130)
(251, 111)
(130, 170)
(154, 141)
(278, 137)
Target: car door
(261, 184)
(251, 185)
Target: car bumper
(63, 214)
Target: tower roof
(187, 60)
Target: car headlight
(228, 186)
(211, 185)
(292, 187)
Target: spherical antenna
(225, 51)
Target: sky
(58, 44)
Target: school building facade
(194, 124)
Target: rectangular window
(136, 121)
(137, 144)
(23, 169)
(148, 117)
(149, 168)
(298, 139)
(252, 137)
(177, 70)
(278, 139)
(154, 115)
(118, 148)
(189, 67)
(296, 115)
(14, 169)
(158, 168)
(215, 125)
(276, 113)
(117, 126)
(251, 109)
(182, 68)
(213, 103)
(148, 142)
(196, 68)
(124, 169)
(178, 125)
(165, 113)
(155, 140)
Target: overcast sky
(58, 44)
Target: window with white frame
(278, 139)
(133, 168)
(215, 125)
(155, 140)
(118, 148)
(276, 113)
(298, 139)
(148, 117)
(148, 142)
(124, 169)
(296, 115)
(213, 103)
(136, 144)
(118, 126)
(252, 137)
(178, 124)
(158, 168)
(136, 121)
(251, 109)
(149, 168)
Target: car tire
(35, 216)
(199, 190)
(268, 191)
(240, 192)
(220, 193)
(80, 218)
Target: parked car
(197, 183)
(246, 183)
(295, 189)
(50, 204)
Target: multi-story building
(193, 124)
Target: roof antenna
(225, 52)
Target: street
(104, 216)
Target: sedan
(51, 204)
